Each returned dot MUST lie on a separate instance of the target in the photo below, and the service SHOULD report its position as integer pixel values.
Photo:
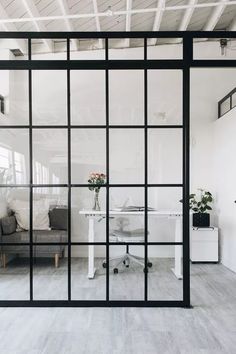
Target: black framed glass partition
(93, 169)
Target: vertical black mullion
(188, 50)
(30, 174)
(107, 172)
(145, 178)
(69, 171)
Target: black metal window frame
(185, 64)
(225, 98)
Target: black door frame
(183, 64)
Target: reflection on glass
(164, 48)
(126, 156)
(162, 222)
(126, 94)
(214, 48)
(88, 150)
(50, 156)
(14, 211)
(225, 106)
(13, 49)
(50, 282)
(83, 288)
(164, 97)
(14, 273)
(234, 100)
(126, 280)
(89, 49)
(87, 84)
(50, 217)
(162, 282)
(165, 159)
(14, 95)
(126, 214)
(49, 97)
(118, 48)
(82, 204)
(14, 156)
(49, 49)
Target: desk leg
(178, 249)
(91, 269)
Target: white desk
(93, 216)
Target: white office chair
(125, 259)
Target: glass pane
(225, 106)
(50, 273)
(50, 215)
(15, 273)
(88, 225)
(126, 156)
(49, 97)
(14, 97)
(164, 97)
(126, 280)
(164, 48)
(82, 286)
(234, 100)
(87, 49)
(49, 49)
(88, 149)
(126, 214)
(15, 210)
(87, 84)
(163, 284)
(14, 156)
(13, 49)
(126, 48)
(165, 220)
(126, 97)
(50, 156)
(214, 48)
(165, 158)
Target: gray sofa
(57, 234)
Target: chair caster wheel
(115, 270)
(149, 264)
(104, 264)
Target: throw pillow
(40, 214)
(8, 225)
(58, 218)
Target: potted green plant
(200, 205)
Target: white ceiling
(116, 15)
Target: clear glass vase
(96, 205)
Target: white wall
(225, 177)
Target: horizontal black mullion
(120, 34)
(120, 126)
(86, 185)
(91, 243)
(117, 185)
(91, 303)
(208, 63)
(90, 64)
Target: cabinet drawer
(204, 236)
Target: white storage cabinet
(204, 244)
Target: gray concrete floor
(210, 327)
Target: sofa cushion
(8, 225)
(58, 218)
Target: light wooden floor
(210, 327)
